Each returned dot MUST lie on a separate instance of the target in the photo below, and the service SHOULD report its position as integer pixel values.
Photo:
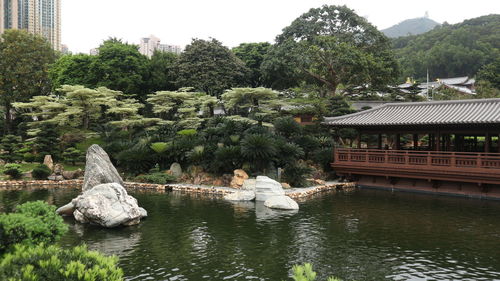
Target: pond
(361, 235)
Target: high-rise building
(42, 17)
(149, 45)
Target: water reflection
(263, 213)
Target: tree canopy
(330, 46)
(252, 54)
(210, 67)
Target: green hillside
(450, 50)
(410, 27)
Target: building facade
(42, 17)
(148, 45)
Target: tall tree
(24, 62)
(252, 54)
(209, 67)
(162, 71)
(74, 70)
(331, 46)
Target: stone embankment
(294, 193)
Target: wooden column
(415, 141)
(398, 141)
(438, 142)
(379, 143)
(487, 143)
(358, 140)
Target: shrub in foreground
(41, 172)
(32, 223)
(43, 262)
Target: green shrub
(305, 273)
(296, 174)
(259, 150)
(53, 263)
(72, 155)
(187, 132)
(13, 171)
(287, 127)
(10, 145)
(28, 157)
(41, 172)
(32, 223)
(160, 147)
(157, 178)
(227, 159)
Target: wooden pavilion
(440, 146)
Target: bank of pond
(357, 235)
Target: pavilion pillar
(379, 142)
(397, 141)
(487, 143)
(358, 140)
(415, 141)
(498, 143)
(438, 142)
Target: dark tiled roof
(479, 111)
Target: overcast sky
(86, 23)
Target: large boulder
(249, 184)
(240, 195)
(281, 202)
(47, 161)
(107, 205)
(238, 179)
(266, 187)
(176, 170)
(99, 169)
(69, 175)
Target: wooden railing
(489, 162)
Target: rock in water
(281, 202)
(266, 187)
(99, 169)
(108, 205)
(104, 200)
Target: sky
(86, 23)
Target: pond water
(362, 235)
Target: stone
(70, 175)
(319, 182)
(54, 177)
(107, 205)
(281, 202)
(99, 169)
(67, 209)
(47, 161)
(240, 195)
(58, 169)
(239, 177)
(176, 170)
(285, 185)
(27, 175)
(249, 184)
(266, 187)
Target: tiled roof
(479, 111)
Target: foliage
(46, 142)
(24, 60)
(13, 171)
(51, 262)
(157, 178)
(9, 145)
(252, 54)
(449, 50)
(305, 272)
(258, 150)
(296, 173)
(287, 127)
(41, 172)
(162, 71)
(160, 147)
(72, 155)
(28, 157)
(490, 73)
(244, 101)
(210, 67)
(330, 46)
(32, 223)
(74, 70)
(227, 159)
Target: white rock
(249, 184)
(281, 202)
(266, 187)
(99, 169)
(107, 205)
(242, 195)
(176, 170)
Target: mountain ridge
(413, 26)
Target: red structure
(444, 147)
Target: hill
(450, 50)
(410, 27)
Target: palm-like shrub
(287, 127)
(308, 143)
(160, 147)
(288, 153)
(227, 159)
(296, 173)
(259, 150)
(43, 262)
(323, 157)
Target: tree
(162, 71)
(24, 62)
(9, 145)
(243, 101)
(331, 46)
(74, 70)
(252, 54)
(121, 67)
(210, 67)
(490, 73)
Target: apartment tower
(42, 17)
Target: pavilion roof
(456, 112)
